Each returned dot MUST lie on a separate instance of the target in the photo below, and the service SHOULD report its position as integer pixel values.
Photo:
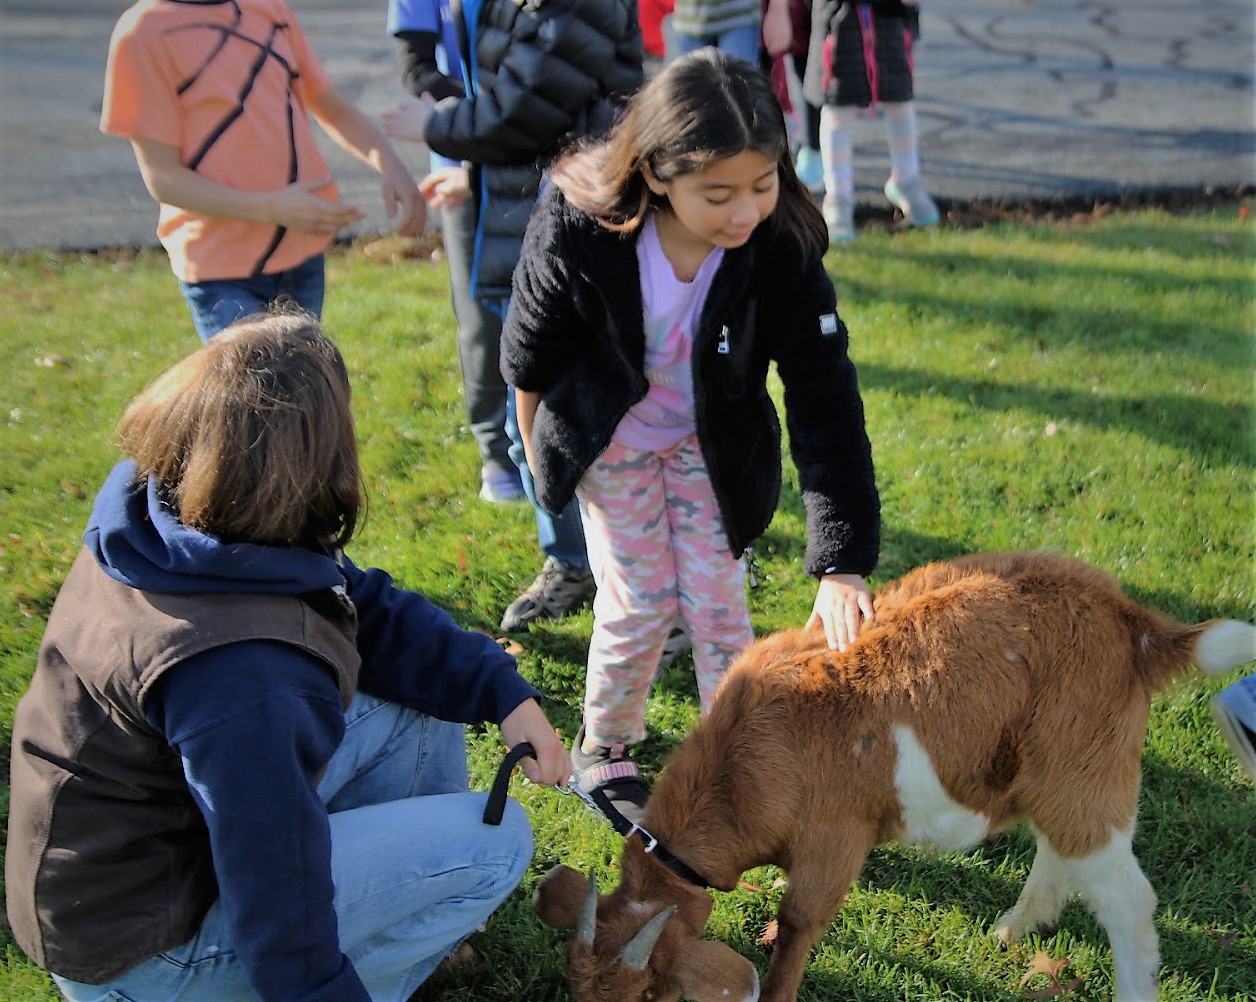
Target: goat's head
(627, 950)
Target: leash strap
(496, 806)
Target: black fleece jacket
(575, 335)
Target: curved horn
(588, 914)
(637, 953)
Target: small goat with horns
(988, 690)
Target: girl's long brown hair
(252, 436)
(704, 107)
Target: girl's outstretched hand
(527, 722)
(843, 604)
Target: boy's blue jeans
(415, 869)
(218, 304)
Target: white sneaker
(810, 170)
(912, 201)
(839, 215)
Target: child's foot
(611, 778)
(1240, 737)
(912, 201)
(810, 170)
(558, 589)
(839, 216)
(500, 486)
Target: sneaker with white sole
(810, 170)
(912, 201)
(1226, 707)
(839, 217)
(500, 486)
(558, 589)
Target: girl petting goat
(988, 690)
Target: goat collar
(664, 855)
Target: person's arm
(778, 27)
(526, 402)
(358, 135)
(415, 654)
(297, 206)
(832, 454)
(419, 71)
(535, 100)
(255, 724)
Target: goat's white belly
(930, 817)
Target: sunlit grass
(1084, 388)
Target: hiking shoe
(674, 646)
(611, 779)
(1240, 737)
(839, 216)
(912, 201)
(558, 589)
(810, 170)
(500, 486)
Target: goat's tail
(1166, 649)
(1223, 644)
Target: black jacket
(575, 335)
(548, 72)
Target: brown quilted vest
(108, 859)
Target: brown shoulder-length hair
(252, 436)
(705, 106)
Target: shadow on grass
(1215, 432)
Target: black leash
(496, 806)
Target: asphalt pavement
(1036, 100)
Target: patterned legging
(658, 552)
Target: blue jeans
(561, 536)
(416, 870)
(218, 304)
(742, 42)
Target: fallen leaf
(767, 938)
(745, 885)
(1051, 429)
(1044, 963)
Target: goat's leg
(1041, 899)
(820, 874)
(1113, 884)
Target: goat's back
(1025, 677)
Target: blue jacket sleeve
(255, 724)
(415, 654)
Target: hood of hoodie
(137, 539)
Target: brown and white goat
(988, 690)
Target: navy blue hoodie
(255, 723)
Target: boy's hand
(446, 187)
(409, 119)
(298, 207)
(403, 201)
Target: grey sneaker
(839, 215)
(912, 201)
(557, 590)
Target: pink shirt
(671, 310)
(175, 74)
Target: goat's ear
(559, 897)
(715, 972)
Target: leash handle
(496, 806)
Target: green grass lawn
(1083, 387)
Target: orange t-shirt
(229, 84)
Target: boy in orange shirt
(216, 98)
